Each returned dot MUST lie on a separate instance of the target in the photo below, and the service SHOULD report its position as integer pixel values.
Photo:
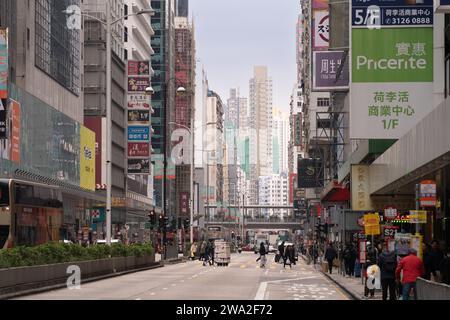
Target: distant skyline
(233, 36)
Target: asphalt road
(243, 279)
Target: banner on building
(321, 30)
(292, 177)
(184, 203)
(310, 173)
(298, 129)
(360, 188)
(95, 124)
(4, 64)
(392, 67)
(138, 166)
(417, 216)
(372, 224)
(15, 131)
(330, 70)
(87, 158)
(138, 68)
(139, 117)
(138, 101)
(136, 133)
(138, 149)
(158, 159)
(427, 193)
(3, 112)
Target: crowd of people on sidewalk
(205, 252)
(397, 273)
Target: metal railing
(428, 290)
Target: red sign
(390, 231)
(292, 177)
(137, 84)
(184, 203)
(15, 132)
(138, 149)
(390, 213)
(95, 124)
(427, 193)
(138, 68)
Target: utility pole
(108, 124)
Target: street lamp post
(108, 23)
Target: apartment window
(125, 34)
(125, 7)
(57, 51)
(323, 102)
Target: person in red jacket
(412, 268)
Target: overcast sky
(234, 35)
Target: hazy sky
(234, 35)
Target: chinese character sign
(3, 63)
(321, 30)
(331, 70)
(360, 188)
(372, 224)
(392, 67)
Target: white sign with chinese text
(389, 110)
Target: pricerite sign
(391, 80)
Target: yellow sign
(87, 158)
(372, 224)
(360, 188)
(417, 216)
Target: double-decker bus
(218, 232)
(30, 213)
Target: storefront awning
(335, 192)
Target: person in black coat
(330, 255)
(436, 257)
(427, 261)
(387, 261)
(444, 267)
(350, 256)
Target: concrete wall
(25, 278)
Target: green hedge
(51, 253)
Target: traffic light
(152, 217)
(161, 222)
(187, 223)
(232, 235)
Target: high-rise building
(183, 8)
(280, 133)
(163, 83)
(260, 127)
(273, 190)
(184, 106)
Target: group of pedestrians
(287, 253)
(206, 253)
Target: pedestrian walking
(387, 261)
(289, 255)
(193, 251)
(207, 254)
(350, 256)
(427, 261)
(262, 255)
(436, 257)
(368, 291)
(444, 268)
(281, 250)
(202, 251)
(412, 268)
(330, 255)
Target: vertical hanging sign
(392, 67)
(3, 80)
(138, 119)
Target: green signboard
(392, 55)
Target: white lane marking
(138, 299)
(164, 288)
(263, 286)
(152, 294)
(173, 285)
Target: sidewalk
(352, 286)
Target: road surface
(241, 280)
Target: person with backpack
(262, 255)
(330, 255)
(350, 255)
(387, 261)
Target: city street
(241, 280)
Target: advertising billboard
(15, 131)
(321, 30)
(87, 158)
(138, 166)
(138, 68)
(95, 124)
(139, 117)
(138, 101)
(138, 149)
(360, 187)
(3, 63)
(310, 173)
(136, 133)
(138, 84)
(330, 70)
(392, 67)
(298, 129)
